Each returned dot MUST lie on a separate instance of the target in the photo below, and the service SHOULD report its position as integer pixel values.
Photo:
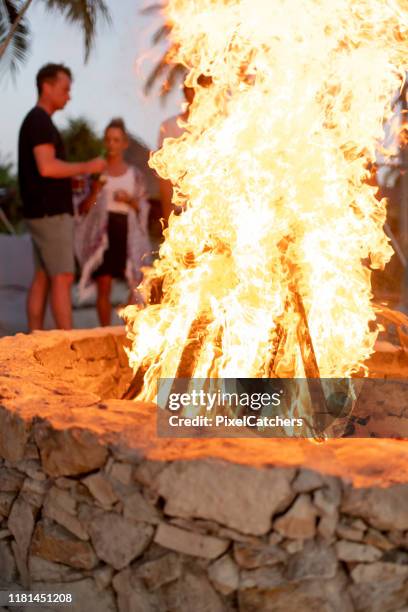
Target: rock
(54, 543)
(101, 489)
(11, 480)
(31, 451)
(326, 501)
(95, 348)
(21, 524)
(62, 499)
(250, 556)
(60, 507)
(306, 481)
(160, 571)
(274, 538)
(262, 578)
(383, 508)
(349, 529)
(250, 496)
(373, 537)
(147, 472)
(299, 521)
(398, 538)
(236, 536)
(121, 472)
(67, 484)
(6, 501)
(33, 491)
(69, 452)
(85, 596)
(116, 540)
(379, 587)
(103, 577)
(327, 525)
(314, 561)
(189, 543)
(305, 596)
(14, 433)
(42, 570)
(224, 575)
(32, 468)
(353, 551)
(376, 573)
(136, 508)
(8, 568)
(133, 596)
(192, 592)
(293, 546)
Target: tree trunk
(13, 28)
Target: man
(170, 128)
(45, 187)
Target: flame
(271, 171)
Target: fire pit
(94, 504)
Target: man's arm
(51, 167)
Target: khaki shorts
(53, 243)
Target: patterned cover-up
(91, 239)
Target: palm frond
(161, 34)
(85, 13)
(14, 51)
(176, 74)
(160, 68)
(153, 8)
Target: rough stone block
(383, 508)
(189, 543)
(160, 571)
(116, 540)
(54, 543)
(353, 551)
(101, 489)
(69, 452)
(224, 575)
(299, 521)
(250, 556)
(237, 496)
(14, 433)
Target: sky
(109, 85)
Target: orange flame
(271, 172)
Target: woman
(112, 239)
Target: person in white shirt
(112, 240)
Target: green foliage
(9, 195)
(81, 141)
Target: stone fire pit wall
(92, 504)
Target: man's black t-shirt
(41, 196)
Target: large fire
(280, 230)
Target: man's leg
(61, 299)
(37, 300)
(103, 304)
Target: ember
(267, 271)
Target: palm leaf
(85, 13)
(153, 8)
(176, 73)
(14, 51)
